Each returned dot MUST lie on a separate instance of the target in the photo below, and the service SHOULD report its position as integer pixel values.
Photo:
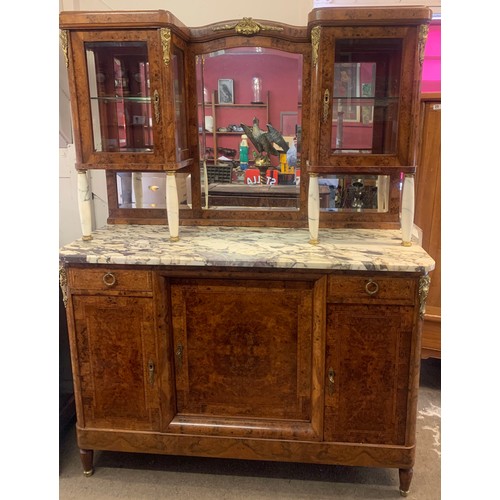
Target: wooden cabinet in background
(291, 365)
(428, 216)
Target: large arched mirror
(250, 128)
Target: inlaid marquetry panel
(117, 362)
(368, 348)
(243, 349)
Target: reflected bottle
(257, 90)
(244, 152)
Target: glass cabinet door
(367, 97)
(128, 97)
(120, 96)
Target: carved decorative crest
(315, 37)
(63, 38)
(165, 36)
(422, 39)
(423, 290)
(247, 26)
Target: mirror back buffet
(239, 332)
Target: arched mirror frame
(248, 33)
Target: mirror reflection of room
(249, 122)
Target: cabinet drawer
(110, 279)
(353, 289)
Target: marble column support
(313, 209)
(383, 193)
(172, 206)
(84, 204)
(407, 209)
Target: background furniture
(428, 216)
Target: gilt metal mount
(422, 40)
(165, 36)
(63, 283)
(247, 26)
(63, 38)
(315, 38)
(423, 290)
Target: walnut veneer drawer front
(371, 289)
(110, 279)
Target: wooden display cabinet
(271, 360)
(128, 90)
(364, 96)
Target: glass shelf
(121, 98)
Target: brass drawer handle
(109, 279)
(371, 287)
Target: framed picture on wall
(288, 122)
(226, 91)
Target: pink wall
(431, 70)
(284, 95)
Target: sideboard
(247, 343)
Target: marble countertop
(342, 249)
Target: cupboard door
(243, 357)
(117, 367)
(367, 373)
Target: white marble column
(172, 207)
(137, 182)
(407, 209)
(313, 209)
(382, 193)
(84, 205)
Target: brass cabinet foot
(405, 477)
(87, 458)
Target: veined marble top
(343, 249)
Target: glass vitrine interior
(125, 104)
(365, 95)
(354, 193)
(148, 190)
(249, 124)
(120, 96)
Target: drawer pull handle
(371, 288)
(109, 279)
(331, 380)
